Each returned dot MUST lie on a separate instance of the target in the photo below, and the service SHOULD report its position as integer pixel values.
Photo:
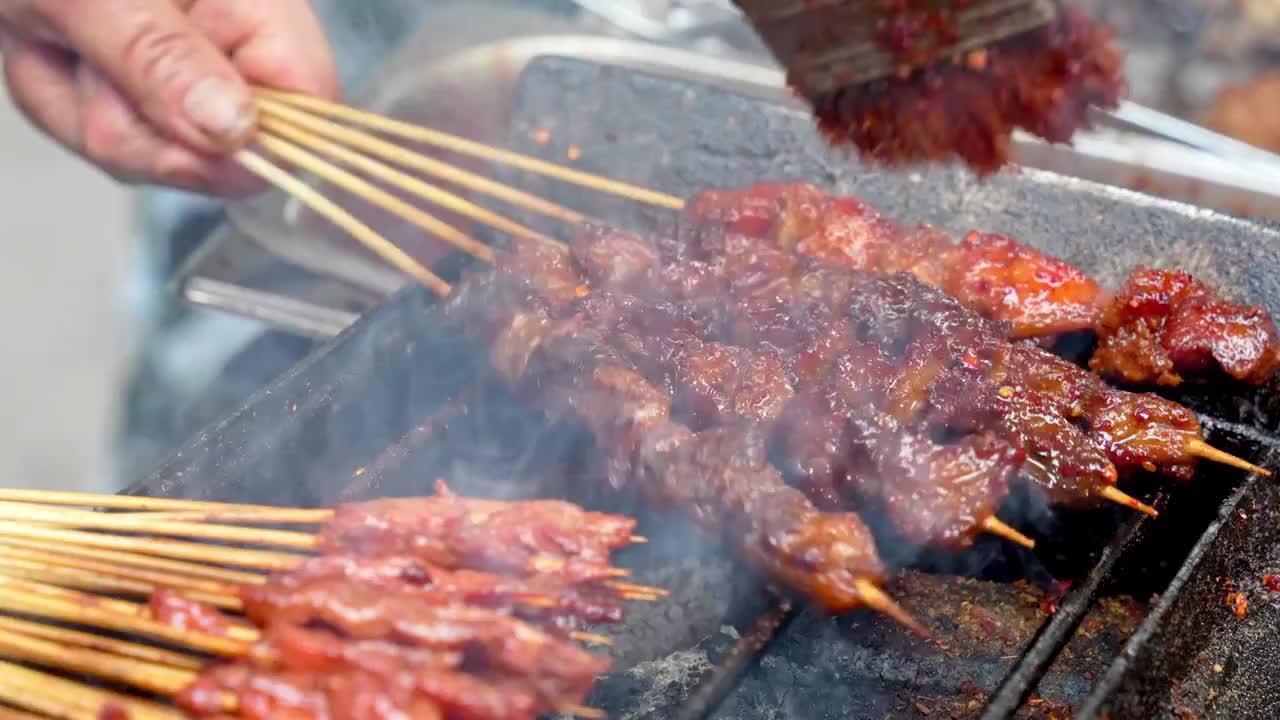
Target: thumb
(175, 76)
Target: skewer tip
(639, 539)
(591, 638)
(1115, 495)
(582, 711)
(1201, 449)
(996, 526)
(876, 599)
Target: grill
(1143, 629)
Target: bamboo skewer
(404, 181)
(877, 600)
(270, 516)
(256, 559)
(7, 713)
(242, 633)
(71, 579)
(57, 697)
(329, 210)
(76, 638)
(996, 526)
(195, 586)
(139, 674)
(122, 502)
(1114, 494)
(1201, 449)
(372, 194)
(435, 138)
(407, 158)
(131, 522)
(81, 579)
(135, 560)
(22, 600)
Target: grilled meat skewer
(933, 494)
(933, 355)
(545, 599)
(530, 537)
(378, 630)
(720, 477)
(758, 218)
(1161, 328)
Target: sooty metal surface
(324, 429)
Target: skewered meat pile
(440, 607)
(772, 324)
(1160, 328)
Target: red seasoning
(1238, 604)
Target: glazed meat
(937, 364)
(171, 608)
(318, 675)
(717, 385)
(379, 630)
(367, 612)
(452, 532)
(723, 478)
(1164, 327)
(719, 477)
(543, 598)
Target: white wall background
(64, 252)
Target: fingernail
(223, 110)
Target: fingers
(115, 136)
(42, 83)
(174, 75)
(85, 113)
(279, 44)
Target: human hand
(157, 91)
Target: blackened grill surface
(326, 425)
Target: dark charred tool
(930, 80)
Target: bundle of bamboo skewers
(75, 584)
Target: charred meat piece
(611, 258)
(1136, 430)
(722, 477)
(970, 389)
(453, 532)
(1005, 280)
(1164, 327)
(436, 694)
(933, 494)
(544, 599)
(172, 608)
(1047, 395)
(366, 612)
(722, 384)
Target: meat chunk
(1164, 327)
(1038, 295)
